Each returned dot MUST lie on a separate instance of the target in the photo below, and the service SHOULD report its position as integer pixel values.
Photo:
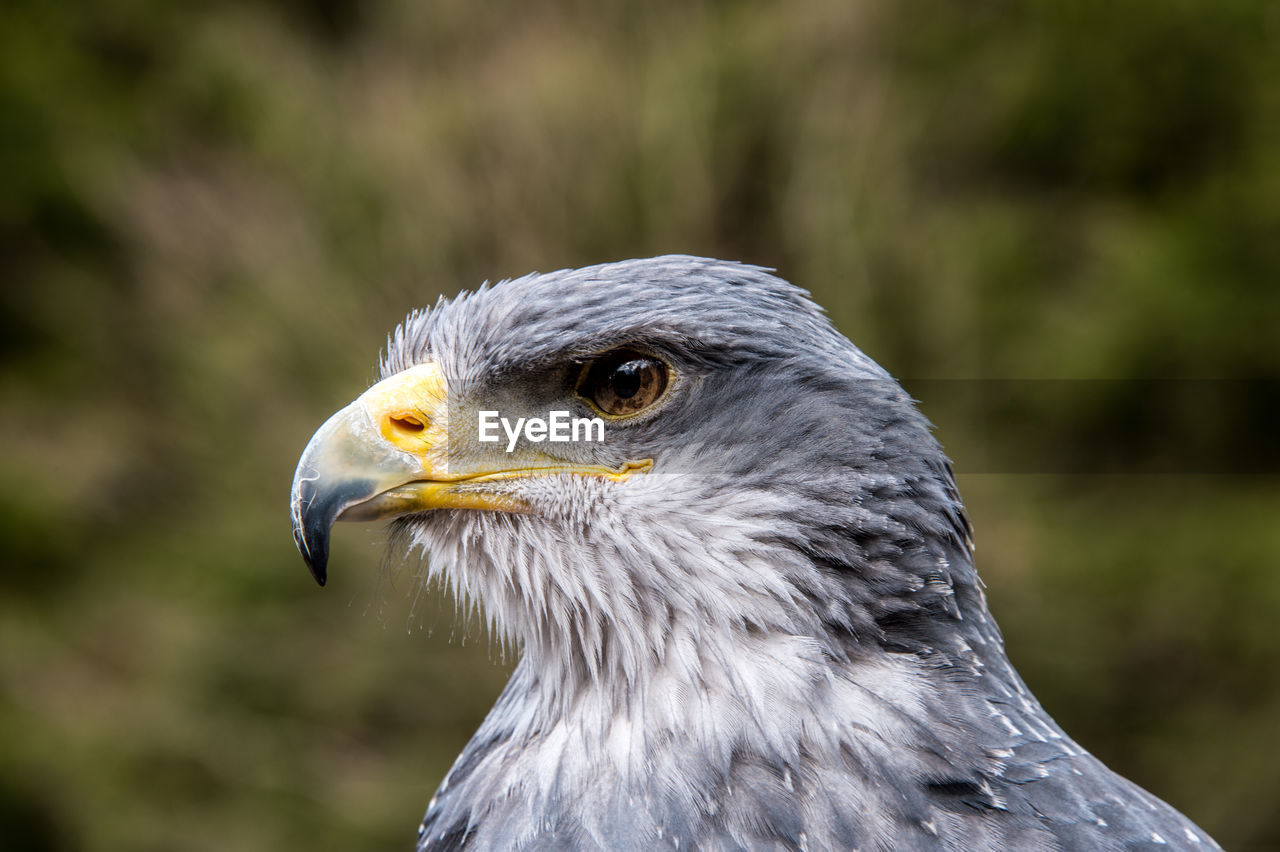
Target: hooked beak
(387, 454)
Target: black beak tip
(315, 550)
(314, 512)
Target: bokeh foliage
(212, 213)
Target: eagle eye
(623, 382)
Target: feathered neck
(723, 596)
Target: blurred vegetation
(212, 213)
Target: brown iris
(624, 382)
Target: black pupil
(627, 378)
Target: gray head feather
(775, 638)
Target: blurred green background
(212, 213)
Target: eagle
(745, 603)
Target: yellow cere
(411, 410)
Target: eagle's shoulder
(1034, 789)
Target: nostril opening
(408, 423)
